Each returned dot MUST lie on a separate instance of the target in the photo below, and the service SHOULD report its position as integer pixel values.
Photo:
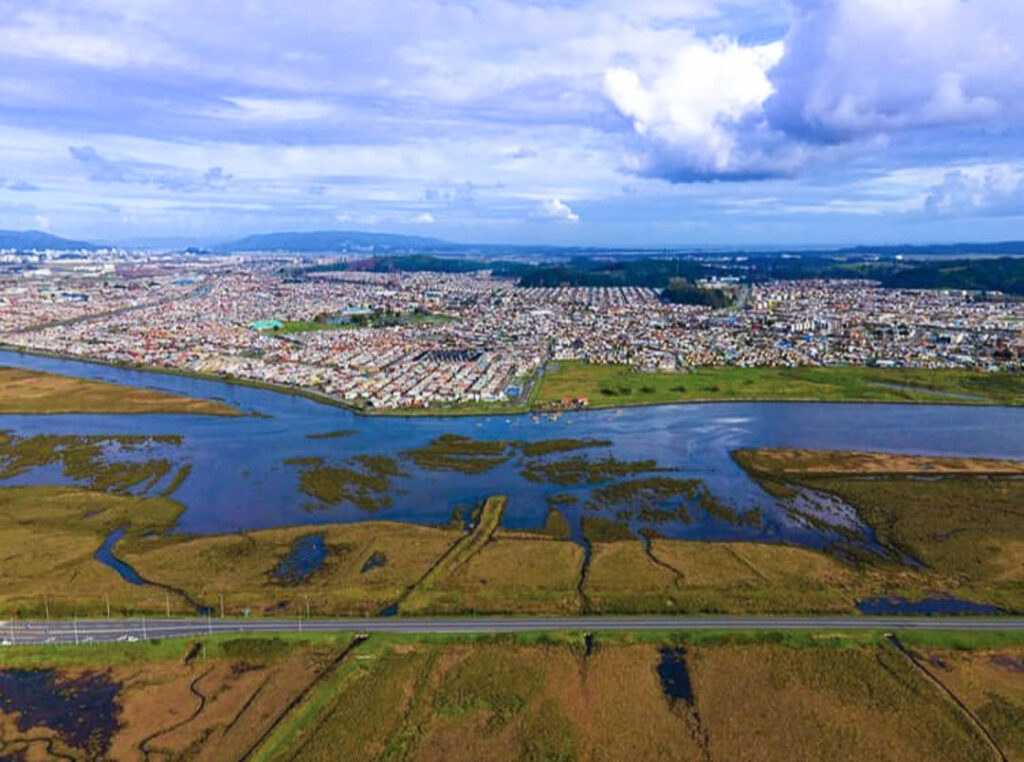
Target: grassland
(48, 538)
(962, 519)
(452, 452)
(491, 572)
(27, 391)
(615, 385)
(759, 698)
(209, 700)
(551, 696)
(240, 566)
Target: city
(451, 339)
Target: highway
(83, 631)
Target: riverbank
(613, 386)
(368, 567)
(35, 392)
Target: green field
(616, 385)
(380, 321)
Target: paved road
(13, 632)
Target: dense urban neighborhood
(399, 339)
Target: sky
(577, 122)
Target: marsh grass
(28, 391)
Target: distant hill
(28, 240)
(941, 249)
(333, 240)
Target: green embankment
(616, 385)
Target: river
(239, 478)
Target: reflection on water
(105, 554)
(239, 479)
(674, 675)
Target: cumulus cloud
(555, 209)
(701, 116)
(847, 72)
(860, 66)
(988, 190)
(424, 219)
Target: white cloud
(555, 209)
(848, 72)
(856, 67)
(992, 190)
(702, 108)
(424, 219)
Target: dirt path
(356, 642)
(972, 718)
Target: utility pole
(46, 606)
(209, 622)
(107, 599)
(75, 622)
(222, 605)
(144, 635)
(167, 604)
(307, 605)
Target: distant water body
(240, 480)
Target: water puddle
(674, 675)
(306, 557)
(105, 555)
(81, 710)
(375, 561)
(932, 605)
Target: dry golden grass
(512, 573)
(210, 709)
(240, 566)
(777, 703)
(48, 536)
(27, 391)
(991, 684)
(616, 703)
(622, 578)
(718, 577)
(396, 698)
(796, 461)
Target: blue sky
(596, 122)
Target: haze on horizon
(590, 122)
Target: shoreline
(320, 397)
